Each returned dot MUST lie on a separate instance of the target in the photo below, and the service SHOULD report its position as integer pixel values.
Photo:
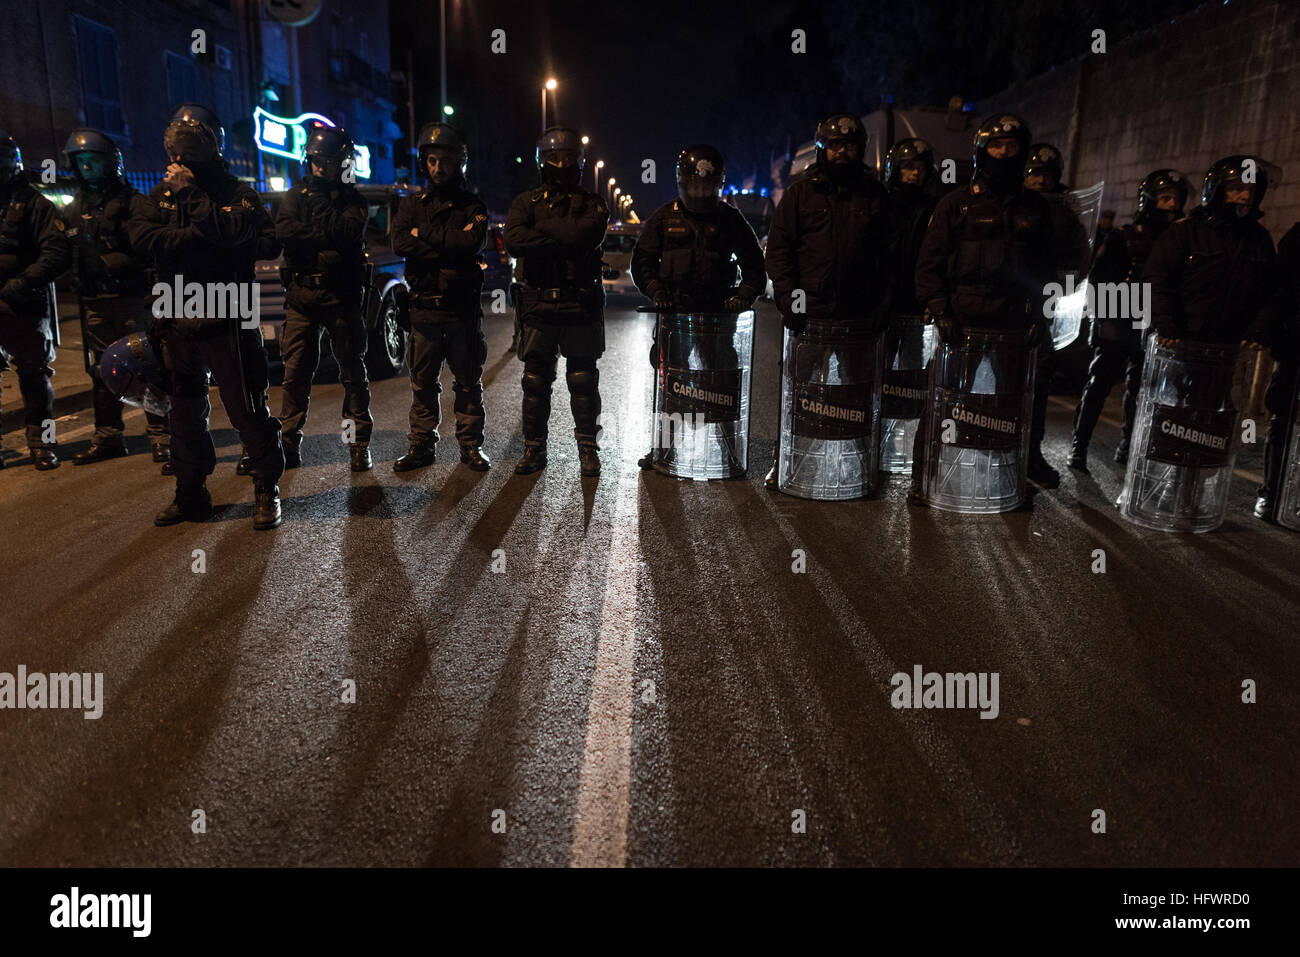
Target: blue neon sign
(287, 137)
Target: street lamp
(595, 179)
(550, 85)
(609, 191)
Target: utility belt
(562, 293)
(310, 280)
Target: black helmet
(841, 126)
(11, 158)
(442, 136)
(195, 132)
(327, 143)
(1157, 182)
(561, 157)
(906, 151)
(700, 165)
(132, 371)
(1233, 169)
(1044, 158)
(1008, 172)
(86, 140)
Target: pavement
(452, 668)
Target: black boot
(266, 508)
(99, 452)
(245, 466)
(1264, 508)
(361, 460)
(589, 460)
(43, 458)
(772, 477)
(534, 460)
(191, 504)
(1121, 451)
(162, 452)
(917, 497)
(647, 461)
(472, 456)
(292, 444)
(1079, 455)
(417, 458)
(1040, 473)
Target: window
(97, 51)
(182, 80)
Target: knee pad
(582, 379)
(537, 383)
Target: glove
(663, 299)
(950, 329)
(736, 304)
(796, 324)
(14, 290)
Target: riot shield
(978, 410)
(1185, 437)
(1287, 510)
(701, 402)
(909, 346)
(830, 411)
(1069, 314)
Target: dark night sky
(643, 78)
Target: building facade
(124, 65)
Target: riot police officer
(683, 257)
(909, 172)
(321, 223)
(113, 284)
(1116, 345)
(441, 231)
(203, 226)
(33, 250)
(1043, 171)
(1213, 272)
(988, 256)
(556, 230)
(830, 239)
(1280, 398)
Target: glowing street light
(550, 85)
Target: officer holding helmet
(33, 250)
(830, 239)
(441, 232)
(203, 225)
(321, 223)
(1116, 345)
(113, 284)
(556, 230)
(683, 258)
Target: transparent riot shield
(909, 345)
(1185, 436)
(830, 411)
(1069, 314)
(978, 410)
(701, 403)
(1287, 510)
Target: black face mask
(568, 176)
(1005, 175)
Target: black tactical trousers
(107, 320)
(1108, 366)
(462, 346)
(26, 339)
(300, 348)
(188, 360)
(581, 343)
(1281, 401)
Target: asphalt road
(627, 670)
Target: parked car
(386, 307)
(616, 256)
